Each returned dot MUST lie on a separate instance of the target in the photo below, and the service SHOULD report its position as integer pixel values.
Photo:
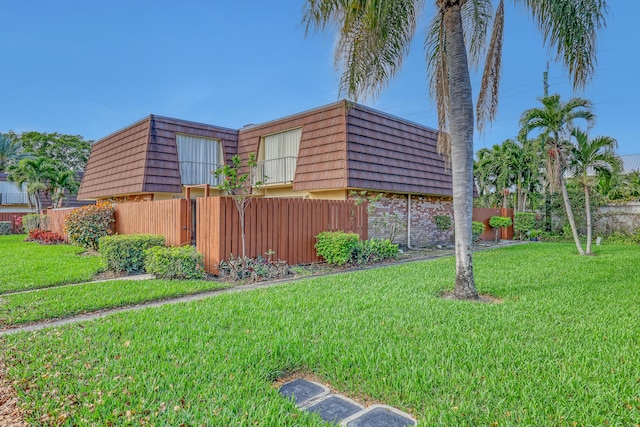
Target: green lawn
(563, 349)
(71, 300)
(29, 265)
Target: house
(323, 153)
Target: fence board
(286, 226)
(169, 218)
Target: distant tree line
(44, 163)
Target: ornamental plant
(443, 222)
(87, 224)
(523, 223)
(126, 252)
(182, 262)
(477, 228)
(44, 237)
(498, 222)
(5, 228)
(336, 247)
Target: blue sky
(91, 68)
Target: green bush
(443, 222)
(182, 262)
(499, 222)
(524, 222)
(336, 247)
(30, 222)
(477, 228)
(126, 252)
(618, 237)
(5, 228)
(373, 250)
(87, 224)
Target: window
(280, 156)
(198, 157)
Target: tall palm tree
(555, 123)
(599, 155)
(374, 38)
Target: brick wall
(392, 209)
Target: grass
(67, 301)
(562, 350)
(29, 265)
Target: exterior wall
(132, 198)
(393, 209)
(329, 195)
(623, 217)
(423, 226)
(322, 161)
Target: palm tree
(555, 122)
(10, 152)
(374, 38)
(59, 181)
(495, 169)
(596, 154)
(35, 173)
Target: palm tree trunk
(587, 202)
(461, 131)
(569, 211)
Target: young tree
(374, 38)
(59, 182)
(555, 123)
(596, 154)
(236, 182)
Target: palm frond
(487, 106)
(374, 38)
(570, 27)
(476, 19)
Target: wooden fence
(484, 215)
(286, 226)
(170, 218)
(56, 220)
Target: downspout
(408, 221)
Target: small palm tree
(59, 182)
(596, 154)
(35, 173)
(555, 122)
(374, 38)
(10, 152)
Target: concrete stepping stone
(334, 408)
(302, 390)
(379, 416)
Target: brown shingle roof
(143, 157)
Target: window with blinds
(281, 155)
(198, 157)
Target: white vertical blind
(281, 153)
(198, 156)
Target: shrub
(44, 237)
(86, 224)
(30, 222)
(443, 222)
(373, 250)
(619, 237)
(126, 252)
(5, 227)
(182, 262)
(499, 222)
(524, 222)
(17, 220)
(254, 269)
(336, 247)
(477, 228)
